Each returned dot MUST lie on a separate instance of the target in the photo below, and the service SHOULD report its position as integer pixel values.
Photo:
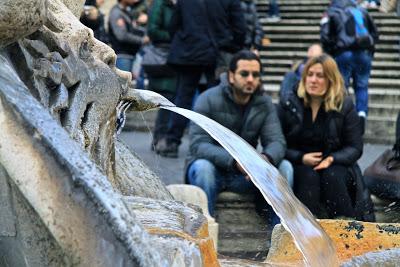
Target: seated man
(240, 105)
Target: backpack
(355, 26)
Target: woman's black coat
(343, 141)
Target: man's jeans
(356, 65)
(205, 175)
(125, 62)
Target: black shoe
(167, 149)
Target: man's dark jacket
(343, 141)
(333, 28)
(201, 28)
(259, 121)
(343, 132)
(125, 39)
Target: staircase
(242, 232)
(299, 28)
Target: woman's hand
(324, 164)
(312, 159)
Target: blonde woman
(324, 141)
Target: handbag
(154, 61)
(383, 175)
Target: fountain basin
(351, 239)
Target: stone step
(287, 63)
(388, 22)
(281, 71)
(374, 82)
(266, 54)
(296, 3)
(315, 10)
(318, 15)
(380, 129)
(385, 65)
(268, 29)
(249, 246)
(383, 109)
(314, 38)
(242, 232)
(281, 46)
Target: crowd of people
(313, 136)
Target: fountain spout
(143, 100)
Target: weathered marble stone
(181, 226)
(32, 244)
(7, 220)
(351, 238)
(76, 6)
(196, 196)
(134, 178)
(20, 18)
(59, 93)
(385, 258)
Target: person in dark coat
(238, 104)
(202, 30)
(93, 18)
(254, 32)
(126, 36)
(324, 140)
(341, 28)
(157, 29)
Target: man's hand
(324, 164)
(265, 157)
(145, 40)
(244, 172)
(312, 159)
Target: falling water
(310, 239)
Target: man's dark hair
(243, 55)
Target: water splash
(309, 237)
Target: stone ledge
(351, 238)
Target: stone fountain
(71, 194)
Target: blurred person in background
(93, 18)
(205, 32)
(126, 34)
(157, 28)
(273, 11)
(254, 31)
(349, 34)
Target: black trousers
(161, 123)
(187, 84)
(325, 191)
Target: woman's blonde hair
(334, 96)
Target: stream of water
(309, 237)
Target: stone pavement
(171, 170)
